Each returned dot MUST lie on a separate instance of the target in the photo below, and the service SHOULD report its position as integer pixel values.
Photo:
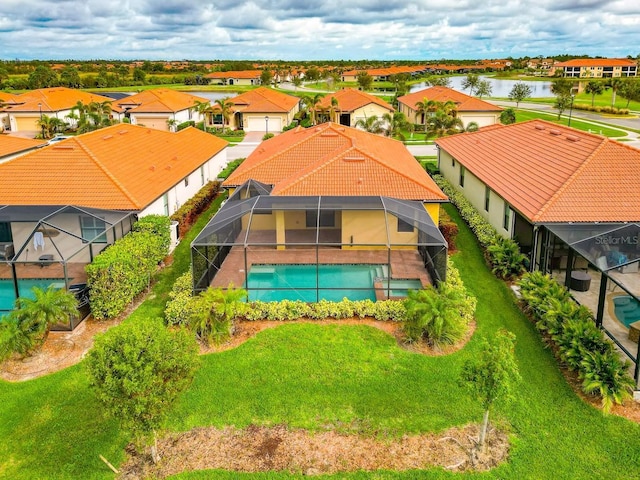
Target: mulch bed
(260, 449)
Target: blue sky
(314, 30)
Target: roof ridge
(554, 198)
(106, 171)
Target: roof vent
(329, 133)
(107, 137)
(152, 168)
(62, 147)
(168, 167)
(539, 127)
(123, 132)
(555, 132)
(573, 138)
(175, 158)
(354, 159)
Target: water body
(499, 87)
(213, 96)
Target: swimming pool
(272, 283)
(8, 294)
(626, 309)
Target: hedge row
(580, 344)
(188, 213)
(503, 254)
(231, 166)
(123, 270)
(605, 109)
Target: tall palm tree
(442, 124)
(49, 126)
(593, 88)
(396, 123)
(99, 112)
(615, 84)
(79, 114)
(310, 104)
(424, 108)
(225, 107)
(202, 108)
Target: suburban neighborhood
(421, 268)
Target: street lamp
(570, 110)
(266, 123)
(41, 124)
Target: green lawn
(354, 378)
(523, 115)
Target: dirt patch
(260, 449)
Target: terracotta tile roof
(597, 62)
(122, 167)
(552, 173)
(159, 100)
(236, 74)
(383, 72)
(350, 99)
(332, 159)
(8, 97)
(56, 99)
(264, 100)
(465, 103)
(10, 145)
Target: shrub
(601, 109)
(605, 374)
(449, 229)
(180, 306)
(188, 213)
(183, 125)
(507, 261)
(214, 312)
(231, 166)
(228, 132)
(156, 225)
(267, 136)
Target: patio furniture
(45, 259)
(580, 281)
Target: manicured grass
(352, 378)
(523, 115)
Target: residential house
(598, 68)
(12, 147)
(58, 102)
(326, 195)
(468, 109)
(569, 198)
(348, 105)
(161, 108)
(62, 204)
(5, 100)
(383, 74)
(241, 77)
(259, 110)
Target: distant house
(6, 99)
(62, 204)
(12, 147)
(58, 102)
(161, 108)
(350, 105)
(324, 198)
(598, 68)
(241, 77)
(469, 109)
(383, 74)
(259, 110)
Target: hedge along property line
(124, 269)
(188, 213)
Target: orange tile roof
(10, 145)
(332, 159)
(350, 99)
(56, 99)
(465, 103)
(597, 62)
(8, 97)
(122, 167)
(552, 173)
(159, 100)
(383, 72)
(263, 100)
(236, 74)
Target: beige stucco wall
(474, 191)
(483, 119)
(369, 227)
(367, 111)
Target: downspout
(534, 247)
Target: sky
(316, 29)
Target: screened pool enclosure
(318, 247)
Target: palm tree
(371, 124)
(217, 308)
(333, 110)
(310, 104)
(49, 126)
(225, 107)
(508, 116)
(615, 84)
(424, 108)
(99, 113)
(442, 124)
(202, 108)
(471, 81)
(593, 88)
(79, 114)
(396, 123)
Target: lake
(499, 87)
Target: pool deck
(35, 271)
(405, 264)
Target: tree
(630, 90)
(438, 81)
(139, 75)
(215, 312)
(519, 92)
(42, 77)
(396, 123)
(563, 102)
(444, 122)
(593, 88)
(203, 108)
(371, 124)
(225, 107)
(561, 86)
(615, 84)
(508, 116)
(49, 126)
(491, 375)
(266, 77)
(471, 81)
(70, 77)
(297, 81)
(364, 80)
(310, 104)
(137, 370)
(483, 88)
(424, 108)
(312, 74)
(99, 114)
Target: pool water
(626, 309)
(8, 294)
(272, 283)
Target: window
(5, 232)
(186, 181)
(404, 226)
(202, 175)
(453, 162)
(92, 227)
(462, 169)
(506, 222)
(165, 204)
(487, 198)
(327, 218)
